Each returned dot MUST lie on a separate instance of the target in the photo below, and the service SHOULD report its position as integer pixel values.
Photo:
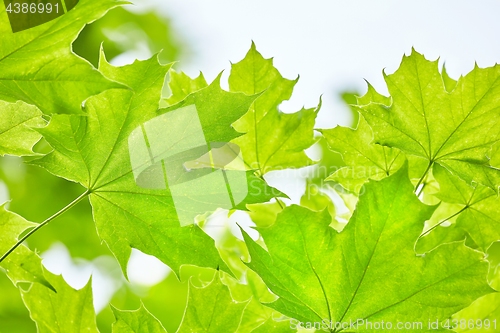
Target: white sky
(334, 45)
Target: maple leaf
(17, 137)
(182, 85)
(484, 313)
(22, 265)
(224, 314)
(476, 209)
(369, 271)
(216, 121)
(217, 110)
(364, 159)
(209, 309)
(107, 152)
(63, 310)
(137, 321)
(427, 121)
(93, 150)
(273, 140)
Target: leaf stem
(261, 177)
(421, 189)
(279, 203)
(422, 178)
(38, 227)
(442, 221)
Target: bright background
(333, 45)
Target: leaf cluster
(411, 237)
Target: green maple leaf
(211, 309)
(182, 85)
(138, 321)
(477, 208)
(17, 137)
(217, 124)
(93, 150)
(38, 67)
(22, 265)
(484, 312)
(449, 82)
(217, 110)
(256, 317)
(364, 159)
(61, 311)
(368, 271)
(427, 121)
(273, 140)
(137, 209)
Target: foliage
(418, 244)
(374, 253)
(39, 68)
(427, 121)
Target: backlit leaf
(61, 311)
(211, 309)
(477, 207)
(22, 265)
(365, 160)
(182, 85)
(16, 134)
(484, 314)
(427, 121)
(368, 271)
(94, 151)
(274, 140)
(139, 321)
